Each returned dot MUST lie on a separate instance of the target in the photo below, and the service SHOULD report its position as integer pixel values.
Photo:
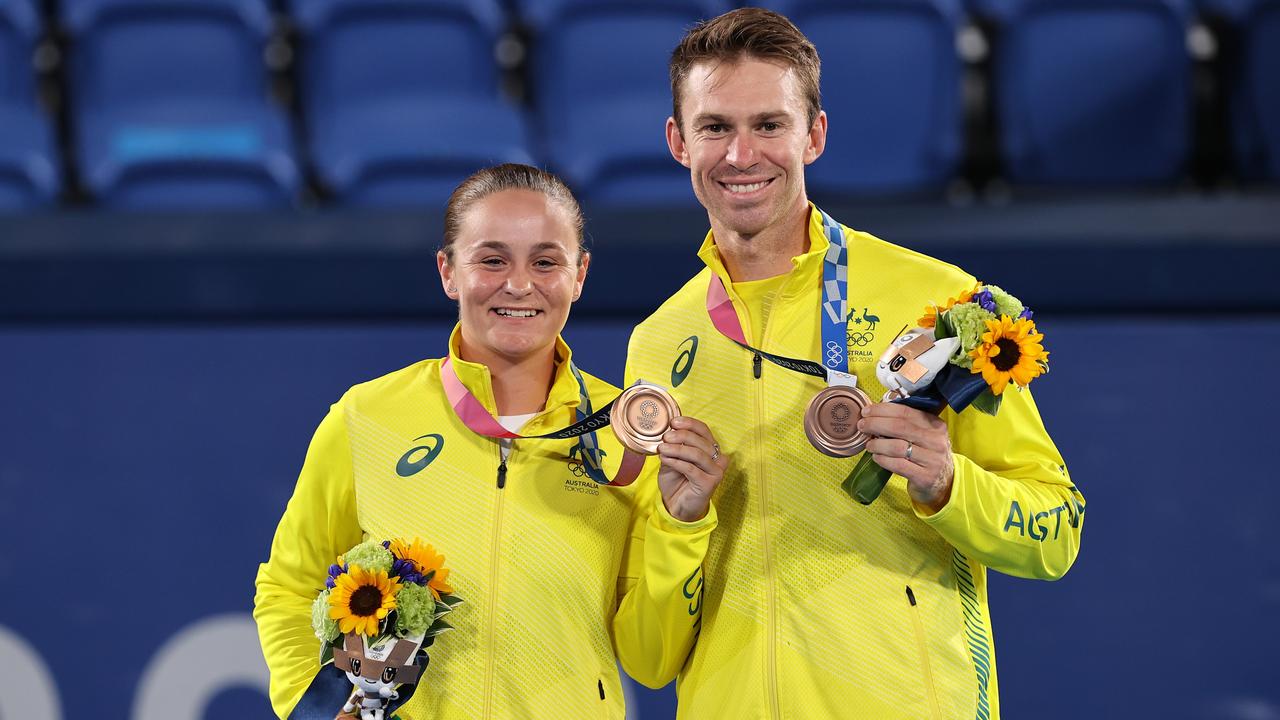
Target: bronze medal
(831, 421)
(641, 415)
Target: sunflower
(425, 562)
(361, 599)
(1010, 350)
(932, 312)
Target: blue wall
(142, 470)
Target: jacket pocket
(926, 672)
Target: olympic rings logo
(861, 339)
(835, 353)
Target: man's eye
(546, 263)
(491, 261)
(714, 129)
(771, 127)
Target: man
(816, 606)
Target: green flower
(1006, 304)
(969, 321)
(324, 627)
(415, 610)
(371, 556)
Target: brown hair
(748, 32)
(507, 176)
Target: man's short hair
(748, 32)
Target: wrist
(686, 512)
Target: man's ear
(675, 142)
(817, 138)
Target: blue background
(144, 468)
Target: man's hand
(914, 444)
(692, 467)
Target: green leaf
(988, 402)
(326, 654)
(450, 600)
(944, 328)
(438, 627)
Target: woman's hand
(692, 468)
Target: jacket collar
(476, 378)
(806, 268)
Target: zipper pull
(911, 596)
(755, 365)
(502, 474)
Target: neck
(767, 253)
(520, 384)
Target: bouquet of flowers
(963, 353)
(383, 605)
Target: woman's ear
(446, 275)
(582, 275)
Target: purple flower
(407, 571)
(1026, 314)
(334, 571)
(985, 301)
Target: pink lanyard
(479, 420)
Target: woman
(556, 570)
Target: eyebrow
(757, 118)
(499, 245)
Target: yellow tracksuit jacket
(557, 573)
(816, 606)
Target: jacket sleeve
(1013, 506)
(660, 581)
(660, 586)
(319, 523)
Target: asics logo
(684, 361)
(410, 465)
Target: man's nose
(742, 151)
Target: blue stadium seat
(602, 94)
(402, 97)
(1255, 89)
(171, 106)
(1092, 93)
(891, 89)
(29, 176)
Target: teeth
(745, 188)
(508, 312)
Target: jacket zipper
(493, 584)
(930, 694)
(771, 612)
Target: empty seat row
(169, 102)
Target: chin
(520, 345)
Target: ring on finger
(910, 447)
(715, 451)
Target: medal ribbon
(834, 316)
(479, 420)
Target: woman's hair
(507, 176)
